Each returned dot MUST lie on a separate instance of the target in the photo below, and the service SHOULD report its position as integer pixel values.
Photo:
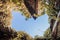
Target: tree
(41, 38)
(37, 37)
(50, 7)
(6, 6)
(23, 36)
(47, 33)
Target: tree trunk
(56, 32)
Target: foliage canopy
(49, 7)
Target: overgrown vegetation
(50, 7)
(23, 36)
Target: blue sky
(31, 26)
